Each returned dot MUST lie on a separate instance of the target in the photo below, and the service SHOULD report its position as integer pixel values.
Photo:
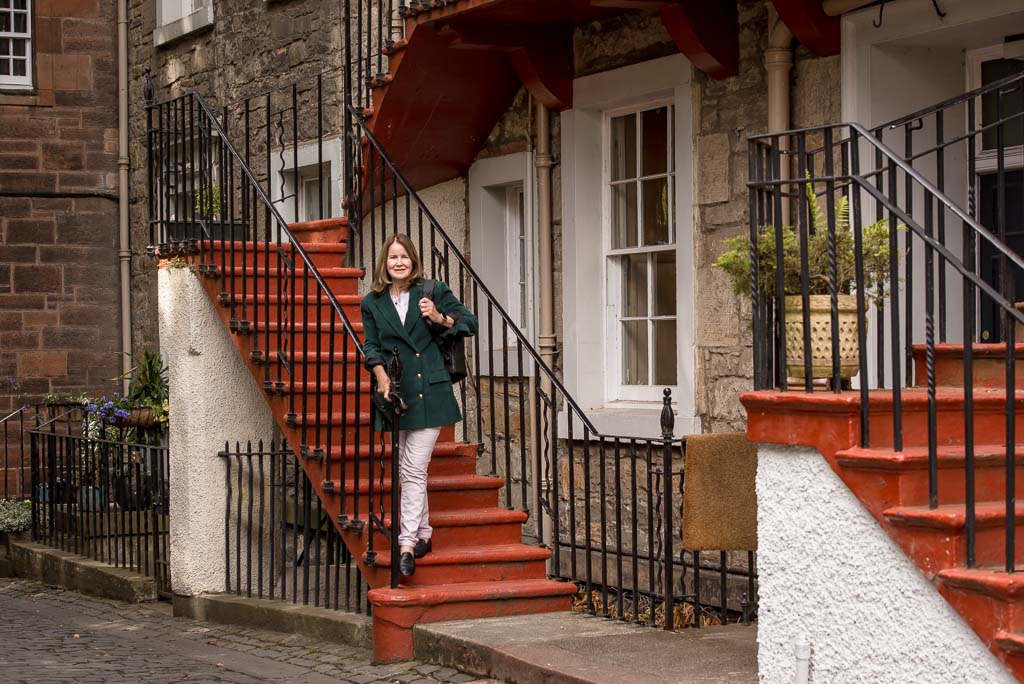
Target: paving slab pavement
(579, 649)
(63, 637)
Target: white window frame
(986, 161)
(583, 247)
(494, 184)
(615, 388)
(10, 81)
(179, 18)
(283, 179)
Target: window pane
(634, 285)
(21, 22)
(634, 353)
(310, 188)
(19, 47)
(5, 3)
(654, 128)
(624, 215)
(20, 4)
(664, 282)
(624, 147)
(995, 108)
(19, 67)
(5, 46)
(656, 211)
(665, 353)
(5, 21)
(5, 67)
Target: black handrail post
(398, 409)
(668, 420)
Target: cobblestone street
(52, 635)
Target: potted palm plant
(875, 253)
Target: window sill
(199, 20)
(629, 419)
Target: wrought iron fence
(99, 496)
(928, 340)
(279, 541)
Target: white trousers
(414, 450)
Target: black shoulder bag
(452, 350)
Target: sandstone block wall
(59, 312)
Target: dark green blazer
(426, 385)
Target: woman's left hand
(429, 311)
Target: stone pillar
(213, 399)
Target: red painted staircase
(893, 485)
(479, 566)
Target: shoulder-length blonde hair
(381, 279)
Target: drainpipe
(778, 60)
(124, 252)
(543, 162)
(802, 650)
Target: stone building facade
(240, 49)
(59, 291)
(230, 50)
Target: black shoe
(406, 565)
(422, 548)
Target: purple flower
(113, 420)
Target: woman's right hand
(384, 385)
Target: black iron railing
(102, 498)
(279, 542)
(835, 211)
(12, 426)
(282, 297)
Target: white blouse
(401, 303)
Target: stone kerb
(214, 399)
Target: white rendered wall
(830, 573)
(213, 398)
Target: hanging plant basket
(141, 417)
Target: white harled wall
(829, 573)
(213, 399)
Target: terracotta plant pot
(821, 336)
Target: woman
(396, 314)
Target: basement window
(15, 44)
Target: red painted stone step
(1011, 649)
(490, 563)
(444, 492)
(238, 252)
(339, 280)
(448, 458)
(886, 478)
(259, 306)
(319, 365)
(990, 599)
(473, 527)
(988, 365)
(395, 611)
(937, 539)
(302, 336)
(321, 231)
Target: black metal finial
(147, 88)
(668, 419)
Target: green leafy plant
(875, 252)
(207, 201)
(15, 515)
